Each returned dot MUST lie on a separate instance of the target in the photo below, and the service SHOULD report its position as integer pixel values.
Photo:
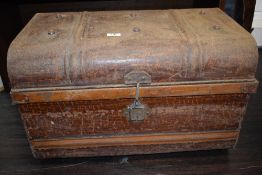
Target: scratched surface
(66, 49)
(246, 159)
(105, 117)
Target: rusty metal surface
(80, 93)
(106, 117)
(58, 51)
(72, 49)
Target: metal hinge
(137, 111)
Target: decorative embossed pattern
(100, 117)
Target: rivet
(59, 16)
(51, 32)
(202, 12)
(216, 27)
(133, 15)
(136, 29)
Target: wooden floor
(246, 158)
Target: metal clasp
(137, 111)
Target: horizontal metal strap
(129, 92)
(125, 140)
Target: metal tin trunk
(132, 82)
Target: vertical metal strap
(137, 91)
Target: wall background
(257, 23)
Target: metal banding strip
(73, 94)
(124, 140)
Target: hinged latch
(137, 111)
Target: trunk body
(132, 82)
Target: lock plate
(134, 77)
(137, 111)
